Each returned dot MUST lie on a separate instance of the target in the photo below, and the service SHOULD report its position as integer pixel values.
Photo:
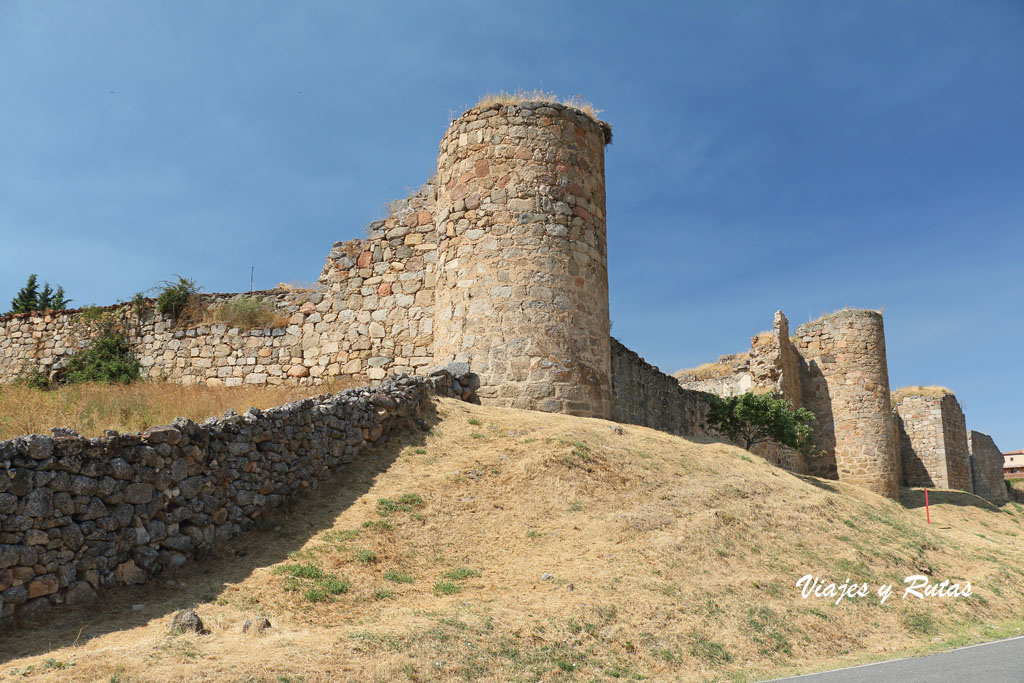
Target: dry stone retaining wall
(78, 515)
(987, 467)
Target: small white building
(1013, 464)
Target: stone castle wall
(373, 315)
(987, 467)
(834, 367)
(187, 354)
(933, 442)
(643, 395)
(382, 291)
(730, 376)
(78, 515)
(522, 274)
(500, 261)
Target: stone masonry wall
(373, 316)
(775, 364)
(187, 353)
(987, 467)
(383, 291)
(522, 277)
(933, 442)
(846, 385)
(643, 395)
(730, 376)
(78, 515)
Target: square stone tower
(933, 441)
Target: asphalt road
(998, 662)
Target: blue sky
(790, 154)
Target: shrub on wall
(34, 378)
(106, 357)
(174, 296)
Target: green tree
(59, 302)
(750, 419)
(27, 298)
(31, 298)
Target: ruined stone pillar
(522, 275)
(846, 385)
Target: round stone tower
(522, 267)
(846, 386)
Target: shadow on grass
(201, 581)
(815, 481)
(914, 498)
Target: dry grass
(669, 559)
(762, 338)
(91, 408)
(519, 96)
(705, 371)
(244, 311)
(933, 391)
(830, 314)
(300, 286)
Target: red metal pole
(927, 512)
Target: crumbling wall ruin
(836, 368)
(987, 467)
(933, 442)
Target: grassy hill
(511, 545)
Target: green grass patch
(460, 573)
(920, 623)
(711, 652)
(396, 576)
(404, 503)
(316, 584)
(768, 632)
(447, 588)
(366, 556)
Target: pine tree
(27, 298)
(31, 298)
(59, 301)
(45, 298)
